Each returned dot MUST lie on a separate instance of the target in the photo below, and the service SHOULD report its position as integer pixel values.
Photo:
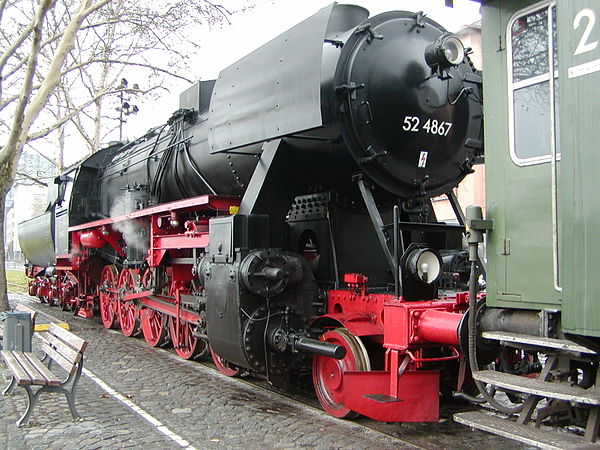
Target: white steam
(134, 231)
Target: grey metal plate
(36, 238)
(62, 233)
(558, 344)
(273, 91)
(523, 433)
(560, 391)
(221, 239)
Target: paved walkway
(135, 396)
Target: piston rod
(308, 345)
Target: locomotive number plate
(431, 126)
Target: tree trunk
(3, 285)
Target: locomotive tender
(284, 212)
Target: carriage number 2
(413, 123)
(584, 45)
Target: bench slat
(74, 341)
(61, 360)
(65, 350)
(19, 373)
(51, 379)
(36, 377)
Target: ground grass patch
(17, 281)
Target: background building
(27, 199)
(471, 191)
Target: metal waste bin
(17, 331)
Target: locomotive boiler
(285, 211)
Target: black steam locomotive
(285, 210)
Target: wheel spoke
(108, 280)
(186, 344)
(128, 316)
(154, 327)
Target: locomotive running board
(529, 435)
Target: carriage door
(531, 246)
(579, 188)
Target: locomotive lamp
(422, 267)
(424, 264)
(445, 52)
(174, 219)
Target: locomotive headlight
(454, 51)
(424, 264)
(445, 52)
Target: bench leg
(33, 397)
(32, 400)
(10, 387)
(71, 401)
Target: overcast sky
(224, 44)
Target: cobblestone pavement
(159, 401)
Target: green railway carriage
(541, 83)
(578, 188)
(518, 169)
(541, 159)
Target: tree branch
(9, 100)
(2, 8)
(48, 41)
(75, 111)
(46, 131)
(54, 72)
(10, 153)
(16, 44)
(39, 152)
(126, 63)
(29, 177)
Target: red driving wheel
(186, 344)
(155, 324)
(223, 366)
(109, 300)
(128, 315)
(68, 292)
(328, 373)
(155, 327)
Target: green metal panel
(519, 249)
(579, 185)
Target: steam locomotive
(282, 219)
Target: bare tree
(144, 41)
(28, 105)
(60, 60)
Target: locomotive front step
(516, 340)
(524, 433)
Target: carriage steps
(527, 434)
(538, 388)
(524, 340)
(559, 391)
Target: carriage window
(529, 92)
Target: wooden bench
(60, 346)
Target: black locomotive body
(285, 210)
